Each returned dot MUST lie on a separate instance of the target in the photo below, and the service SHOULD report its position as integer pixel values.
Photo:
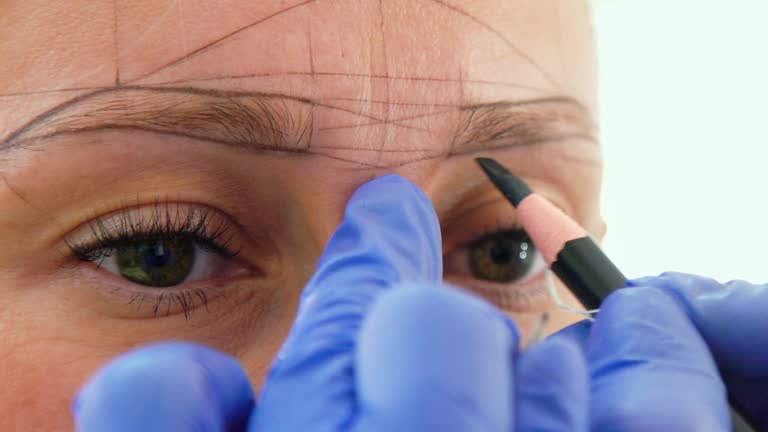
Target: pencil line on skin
(373, 101)
(386, 108)
(314, 152)
(444, 154)
(555, 139)
(371, 149)
(218, 93)
(346, 110)
(461, 101)
(185, 90)
(314, 84)
(16, 192)
(501, 36)
(277, 74)
(41, 92)
(530, 102)
(376, 120)
(117, 48)
(376, 123)
(188, 90)
(220, 40)
(394, 122)
(350, 75)
(307, 125)
(147, 129)
(277, 150)
(352, 126)
(303, 150)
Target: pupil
(500, 254)
(157, 262)
(155, 254)
(503, 256)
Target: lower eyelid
(524, 297)
(132, 300)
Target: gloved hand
(656, 346)
(733, 320)
(378, 345)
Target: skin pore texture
(264, 116)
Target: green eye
(505, 256)
(156, 262)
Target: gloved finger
(435, 359)
(733, 321)
(577, 333)
(650, 368)
(166, 387)
(552, 388)
(390, 234)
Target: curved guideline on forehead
(478, 123)
(445, 5)
(220, 41)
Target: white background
(684, 125)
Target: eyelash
(195, 223)
(498, 226)
(164, 221)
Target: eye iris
(157, 262)
(502, 257)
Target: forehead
(386, 59)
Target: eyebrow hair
(258, 121)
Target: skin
(358, 61)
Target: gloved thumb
(390, 234)
(166, 387)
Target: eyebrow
(258, 121)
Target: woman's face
(143, 143)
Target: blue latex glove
(733, 320)
(656, 348)
(378, 345)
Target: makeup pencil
(568, 249)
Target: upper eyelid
(490, 229)
(153, 218)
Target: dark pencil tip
(512, 187)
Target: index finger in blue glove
(733, 321)
(166, 387)
(390, 234)
(578, 333)
(439, 359)
(434, 359)
(650, 368)
(552, 388)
